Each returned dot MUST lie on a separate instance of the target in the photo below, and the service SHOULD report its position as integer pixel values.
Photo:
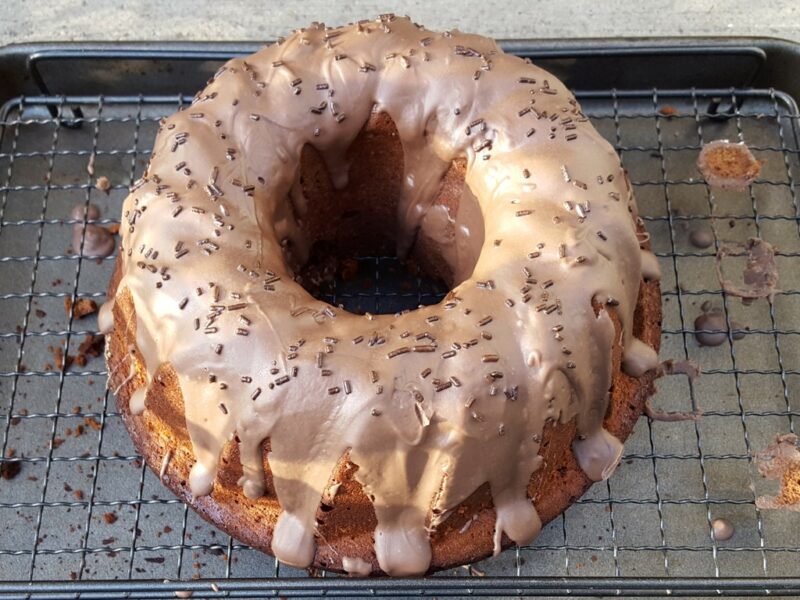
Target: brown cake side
(347, 520)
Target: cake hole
(352, 232)
(373, 284)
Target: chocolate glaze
(97, 241)
(211, 243)
(356, 566)
(711, 328)
(702, 237)
(760, 274)
(722, 529)
(738, 330)
(680, 367)
(712, 321)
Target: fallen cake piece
(728, 165)
(781, 461)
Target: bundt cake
(395, 443)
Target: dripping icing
(105, 317)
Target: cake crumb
(103, 184)
(9, 470)
(23, 412)
(92, 346)
(80, 308)
(110, 518)
(93, 423)
(60, 359)
(781, 461)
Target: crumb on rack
(9, 470)
(674, 367)
(103, 184)
(760, 274)
(80, 308)
(91, 347)
(781, 461)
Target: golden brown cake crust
(346, 522)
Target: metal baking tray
(85, 518)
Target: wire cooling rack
(84, 511)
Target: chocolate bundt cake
(396, 443)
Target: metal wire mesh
(84, 507)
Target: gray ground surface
(62, 20)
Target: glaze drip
(210, 245)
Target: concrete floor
(62, 20)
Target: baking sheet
(652, 518)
